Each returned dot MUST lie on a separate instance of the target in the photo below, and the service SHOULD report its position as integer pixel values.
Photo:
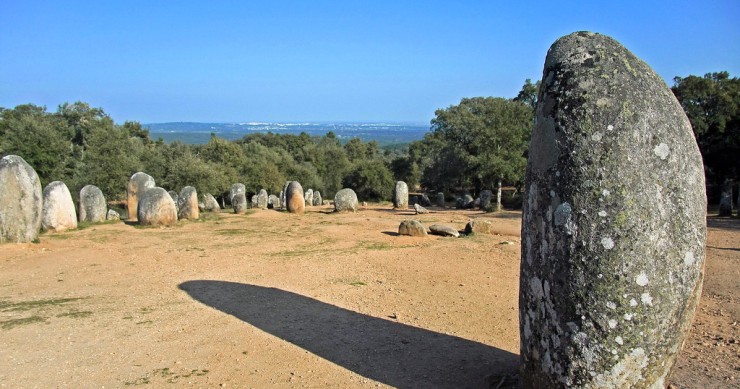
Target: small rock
(419, 209)
(412, 228)
(443, 230)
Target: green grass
(357, 283)
(76, 314)
(368, 245)
(12, 323)
(7, 306)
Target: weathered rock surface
(465, 202)
(93, 207)
(401, 195)
(273, 202)
(424, 201)
(420, 210)
(20, 201)
(262, 199)
(174, 197)
(317, 198)
(295, 203)
(210, 204)
(239, 203)
(345, 200)
(283, 195)
(156, 208)
(112, 215)
(412, 228)
(308, 196)
(187, 204)
(58, 212)
(443, 230)
(478, 226)
(441, 199)
(613, 223)
(236, 188)
(485, 199)
(138, 184)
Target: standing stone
(93, 207)
(273, 202)
(294, 201)
(499, 207)
(345, 200)
(253, 201)
(239, 203)
(59, 210)
(441, 199)
(175, 197)
(283, 195)
(112, 215)
(210, 204)
(317, 198)
(308, 196)
(465, 202)
(20, 201)
(262, 199)
(424, 200)
(236, 188)
(156, 208)
(401, 195)
(137, 185)
(725, 201)
(613, 225)
(187, 204)
(485, 199)
(412, 228)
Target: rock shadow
(395, 354)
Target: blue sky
(326, 61)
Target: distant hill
(198, 133)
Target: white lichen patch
(612, 323)
(628, 316)
(633, 303)
(607, 243)
(562, 214)
(689, 259)
(662, 151)
(642, 279)
(619, 340)
(602, 213)
(605, 192)
(646, 299)
(626, 373)
(611, 305)
(596, 137)
(610, 128)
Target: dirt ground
(274, 300)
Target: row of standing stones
(613, 229)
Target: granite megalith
(210, 204)
(308, 196)
(20, 201)
(485, 199)
(187, 204)
(419, 209)
(412, 228)
(401, 195)
(443, 230)
(93, 208)
(283, 195)
(112, 214)
(345, 200)
(317, 200)
(58, 212)
(239, 203)
(479, 226)
(156, 208)
(725, 200)
(175, 197)
(273, 202)
(613, 225)
(294, 200)
(138, 184)
(441, 199)
(236, 188)
(262, 198)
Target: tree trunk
(498, 195)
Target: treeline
(471, 146)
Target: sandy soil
(271, 299)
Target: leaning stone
(308, 196)
(188, 207)
(156, 208)
(468, 202)
(419, 209)
(112, 215)
(411, 228)
(443, 230)
(239, 203)
(345, 200)
(317, 198)
(138, 184)
(401, 195)
(614, 223)
(234, 190)
(20, 201)
(725, 202)
(210, 204)
(485, 199)
(93, 207)
(478, 226)
(273, 202)
(295, 203)
(262, 199)
(58, 212)
(424, 201)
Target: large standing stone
(308, 196)
(401, 195)
(20, 201)
(262, 199)
(239, 203)
(345, 200)
(283, 195)
(93, 208)
(294, 201)
(59, 210)
(412, 228)
(441, 199)
(613, 225)
(485, 199)
(236, 188)
(187, 204)
(725, 201)
(273, 201)
(210, 204)
(317, 198)
(137, 185)
(156, 208)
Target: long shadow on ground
(383, 350)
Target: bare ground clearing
(271, 299)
